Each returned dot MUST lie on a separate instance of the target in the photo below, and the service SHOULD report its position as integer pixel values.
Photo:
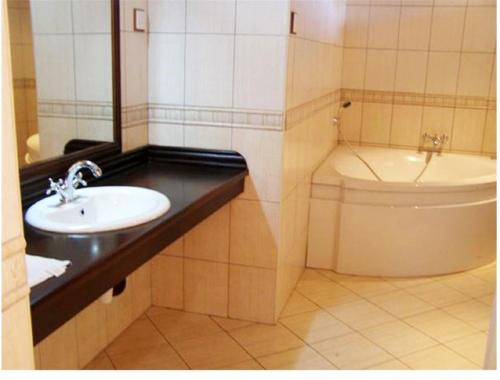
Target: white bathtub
(444, 223)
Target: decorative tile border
(214, 117)
(134, 115)
(75, 109)
(412, 98)
(298, 114)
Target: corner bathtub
(444, 223)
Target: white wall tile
(259, 78)
(93, 67)
(475, 73)
(51, 16)
(166, 68)
(383, 27)
(415, 28)
(167, 16)
(210, 16)
(442, 73)
(356, 26)
(353, 68)
(411, 70)
(207, 137)
(209, 70)
(54, 67)
(136, 68)
(166, 134)
(262, 17)
(91, 16)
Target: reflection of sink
(98, 209)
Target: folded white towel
(42, 268)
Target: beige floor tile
(246, 365)
(475, 313)
(261, 340)
(140, 334)
(398, 338)
(400, 303)
(297, 304)
(437, 294)
(486, 273)
(406, 282)
(311, 276)
(390, 365)
(438, 357)
(211, 351)
(352, 351)
(472, 347)
(327, 294)
(469, 285)
(101, 361)
(155, 357)
(440, 325)
(360, 315)
(314, 326)
(367, 286)
(177, 325)
(332, 275)
(231, 324)
(304, 358)
(487, 300)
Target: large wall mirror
(65, 62)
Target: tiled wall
(217, 73)
(312, 97)
(415, 66)
(72, 43)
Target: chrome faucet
(436, 140)
(66, 187)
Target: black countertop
(101, 260)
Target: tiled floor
(331, 321)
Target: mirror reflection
(62, 72)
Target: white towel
(42, 268)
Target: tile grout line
(167, 341)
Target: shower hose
(348, 104)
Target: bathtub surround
(421, 66)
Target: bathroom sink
(98, 209)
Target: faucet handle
(55, 187)
(78, 180)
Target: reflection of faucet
(66, 188)
(437, 142)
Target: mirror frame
(31, 175)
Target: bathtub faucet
(436, 140)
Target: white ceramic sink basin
(98, 209)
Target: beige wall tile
(406, 125)
(167, 281)
(91, 332)
(480, 27)
(415, 27)
(468, 130)
(252, 293)
(174, 249)
(475, 74)
(490, 133)
(60, 349)
(119, 313)
(447, 28)
(411, 71)
(380, 70)
(383, 27)
(205, 287)
(209, 240)
(353, 68)
(322, 233)
(351, 122)
(442, 74)
(254, 233)
(438, 120)
(356, 26)
(376, 123)
(140, 281)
